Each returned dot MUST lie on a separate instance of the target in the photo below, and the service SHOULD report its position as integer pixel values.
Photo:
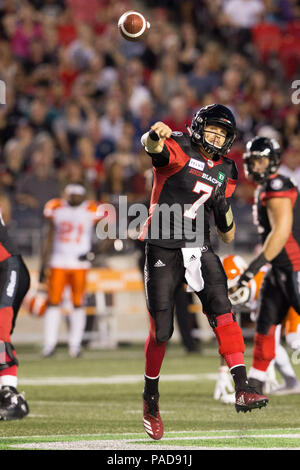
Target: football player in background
(71, 221)
(277, 216)
(245, 300)
(15, 282)
(192, 170)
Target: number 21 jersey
(73, 232)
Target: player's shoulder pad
(52, 205)
(230, 168)
(92, 206)
(182, 139)
(279, 183)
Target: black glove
(90, 256)
(42, 275)
(221, 207)
(252, 270)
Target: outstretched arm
(154, 140)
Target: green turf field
(94, 402)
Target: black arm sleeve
(160, 159)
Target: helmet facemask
(270, 151)
(198, 126)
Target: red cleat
(249, 399)
(153, 424)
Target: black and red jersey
(7, 247)
(182, 175)
(279, 186)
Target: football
(133, 25)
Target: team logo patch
(210, 163)
(196, 164)
(276, 184)
(221, 176)
(177, 133)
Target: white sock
(51, 326)
(9, 381)
(282, 362)
(77, 326)
(257, 374)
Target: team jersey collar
(211, 163)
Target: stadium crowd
(79, 97)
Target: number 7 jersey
(73, 232)
(182, 175)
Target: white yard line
(115, 379)
(131, 444)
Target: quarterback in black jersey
(192, 171)
(277, 216)
(14, 284)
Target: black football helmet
(213, 114)
(260, 147)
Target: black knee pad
(7, 349)
(164, 326)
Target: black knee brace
(7, 349)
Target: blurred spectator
(166, 81)
(27, 30)
(39, 116)
(69, 127)
(115, 184)
(111, 123)
(92, 168)
(189, 51)
(179, 115)
(243, 13)
(81, 50)
(204, 76)
(143, 120)
(39, 185)
(290, 166)
(13, 166)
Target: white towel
(193, 273)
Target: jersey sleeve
(50, 208)
(232, 178)
(279, 186)
(173, 153)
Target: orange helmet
(36, 302)
(234, 266)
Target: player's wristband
(252, 270)
(153, 135)
(224, 217)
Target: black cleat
(258, 385)
(248, 399)
(12, 404)
(153, 424)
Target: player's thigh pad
(163, 272)
(214, 296)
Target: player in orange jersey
(71, 221)
(246, 299)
